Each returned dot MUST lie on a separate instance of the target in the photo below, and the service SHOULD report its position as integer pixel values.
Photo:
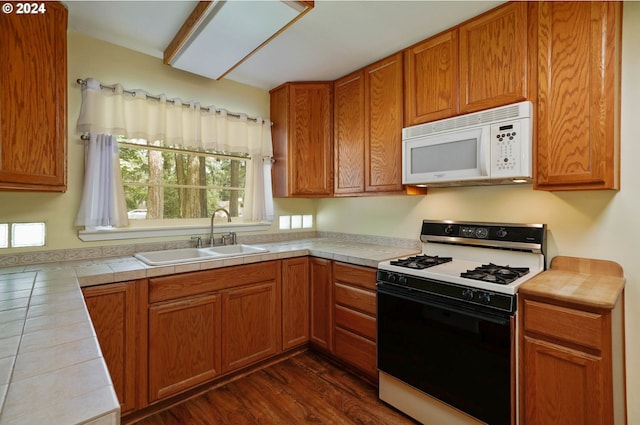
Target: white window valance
(136, 114)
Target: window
(287, 222)
(4, 235)
(169, 183)
(27, 234)
(22, 235)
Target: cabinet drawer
(576, 326)
(363, 277)
(357, 322)
(358, 299)
(357, 351)
(189, 284)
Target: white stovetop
(468, 258)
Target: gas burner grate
(502, 275)
(420, 262)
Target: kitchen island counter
(51, 367)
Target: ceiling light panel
(232, 31)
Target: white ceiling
(333, 39)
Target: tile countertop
(51, 367)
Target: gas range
(478, 263)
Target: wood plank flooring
(303, 389)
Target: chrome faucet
(211, 239)
(198, 240)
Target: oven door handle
(496, 318)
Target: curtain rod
(83, 83)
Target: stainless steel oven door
(457, 355)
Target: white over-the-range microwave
(488, 147)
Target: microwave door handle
(484, 152)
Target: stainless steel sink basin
(189, 255)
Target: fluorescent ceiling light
(222, 34)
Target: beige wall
(592, 224)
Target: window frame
(173, 227)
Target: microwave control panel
(508, 158)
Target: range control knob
(502, 232)
(482, 232)
(402, 280)
(467, 294)
(448, 230)
(485, 297)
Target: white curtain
(139, 115)
(103, 202)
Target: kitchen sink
(189, 255)
(236, 250)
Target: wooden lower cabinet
(295, 302)
(184, 344)
(566, 385)
(572, 352)
(204, 324)
(355, 317)
(251, 324)
(112, 308)
(164, 336)
(321, 322)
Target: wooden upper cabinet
(348, 121)
(579, 95)
(368, 120)
(431, 79)
(302, 139)
(383, 101)
(493, 58)
(33, 100)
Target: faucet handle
(198, 240)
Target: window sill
(108, 234)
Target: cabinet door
(383, 125)
(321, 303)
(33, 100)
(562, 386)
(349, 142)
(295, 302)
(578, 100)
(431, 79)
(251, 323)
(184, 344)
(113, 313)
(493, 58)
(302, 139)
(311, 138)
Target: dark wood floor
(304, 389)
